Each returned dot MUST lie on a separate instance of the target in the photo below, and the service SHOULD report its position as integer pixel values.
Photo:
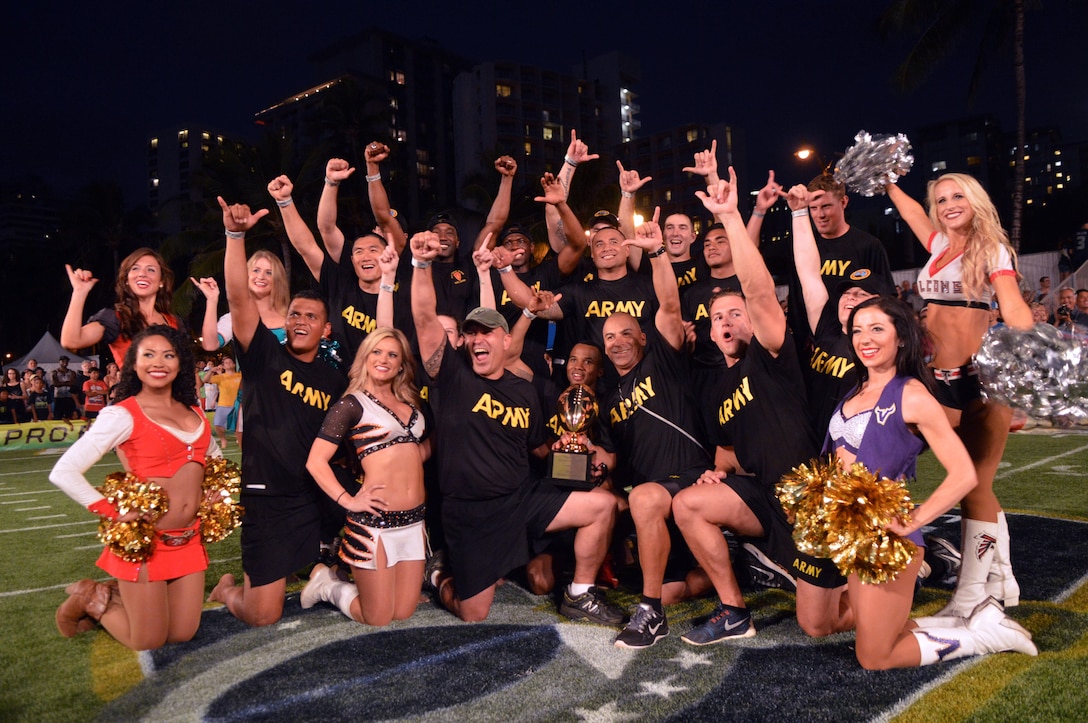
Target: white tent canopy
(47, 351)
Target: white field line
(49, 527)
(50, 588)
(87, 547)
(1039, 462)
(46, 517)
(31, 509)
(28, 492)
(17, 502)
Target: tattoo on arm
(434, 363)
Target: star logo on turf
(605, 714)
(688, 659)
(664, 688)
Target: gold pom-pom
(132, 541)
(219, 514)
(843, 514)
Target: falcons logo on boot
(984, 542)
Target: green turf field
(49, 541)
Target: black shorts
(280, 535)
(778, 534)
(488, 538)
(957, 388)
(676, 482)
(64, 407)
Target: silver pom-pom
(1039, 371)
(873, 162)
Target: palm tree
(941, 25)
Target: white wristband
(236, 234)
(386, 287)
(376, 177)
(505, 269)
(799, 212)
(627, 194)
(528, 314)
(570, 161)
(420, 264)
(759, 214)
(331, 183)
(285, 202)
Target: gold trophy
(577, 411)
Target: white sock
(578, 588)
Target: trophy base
(570, 470)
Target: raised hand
(721, 197)
(280, 188)
(648, 234)
(82, 279)
(375, 152)
(425, 246)
(506, 165)
(630, 181)
(389, 260)
(337, 169)
(769, 194)
(239, 218)
(542, 300)
(554, 193)
(501, 257)
(706, 162)
(207, 286)
(578, 151)
(483, 259)
(798, 197)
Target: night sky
(84, 87)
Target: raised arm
(74, 334)
(630, 182)
(337, 170)
(379, 201)
(768, 319)
(806, 257)
(500, 207)
(238, 219)
(669, 323)
(520, 293)
(577, 153)
(429, 332)
(575, 246)
(767, 197)
(706, 164)
(912, 212)
(388, 263)
(482, 260)
(298, 233)
(209, 327)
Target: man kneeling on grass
(491, 422)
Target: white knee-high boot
(1001, 582)
(988, 630)
(323, 586)
(979, 546)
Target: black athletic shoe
(647, 626)
(766, 572)
(943, 559)
(589, 606)
(436, 564)
(722, 625)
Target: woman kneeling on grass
(161, 436)
(877, 424)
(383, 538)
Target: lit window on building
(692, 135)
(205, 135)
(528, 148)
(402, 136)
(154, 183)
(668, 195)
(183, 135)
(974, 160)
(154, 143)
(547, 133)
(502, 90)
(393, 103)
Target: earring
(901, 345)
